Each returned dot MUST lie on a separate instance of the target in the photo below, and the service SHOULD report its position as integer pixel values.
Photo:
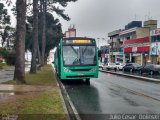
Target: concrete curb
(68, 105)
(74, 115)
(134, 76)
(61, 96)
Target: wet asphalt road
(114, 94)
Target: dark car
(131, 67)
(150, 69)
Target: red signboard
(143, 49)
(137, 40)
(128, 49)
(138, 49)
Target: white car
(100, 65)
(109, 66)
(120, 66)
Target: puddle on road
(6, 87)
(6, 91)
(24, 88)
(6, 95)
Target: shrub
(10, 58)
(3, 52)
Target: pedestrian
(115, 69)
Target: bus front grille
(84, 76)
(80, 69)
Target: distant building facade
(104, 54)
(116, 51)
(155, 45)
(71, 32)
(135, 42)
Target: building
(71, 32)
(136, 42)
(137, 50)
(116, 51)
(132, 44)
(105, 57)
(155, 45)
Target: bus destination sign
(78, 41)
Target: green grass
(44, 76)
(35, 105)
(3, 65)
(46, 103)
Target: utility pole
(112, 50)
(156, 52)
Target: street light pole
(112, 49)
(156, 51)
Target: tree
(53, 33)
(43, 35)
(8, 36)
(44, 10)
(35, 36)
(4, 17)
(49, 5)
(19, 73)
(4, 24)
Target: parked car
(100, 65)
(109, 66)
(131, 67)
(120, 66)
(150, 69)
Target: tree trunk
(45, 58)
(39, 55)
(43, 33)
(19, 73)
(35, 36)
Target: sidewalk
(133, 76)
(39, 99)
(6, 74)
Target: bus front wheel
(87, 81)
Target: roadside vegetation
(37, 100)
(3, 65)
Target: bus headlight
(93, 70)
(66, 70)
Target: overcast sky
(95, 18)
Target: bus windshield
(79, 55)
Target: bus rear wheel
(87, 81)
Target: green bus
(76, 58)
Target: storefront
(104, 58)
(155, 46)
(118, 57)
(137, 50)
(138, 55)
